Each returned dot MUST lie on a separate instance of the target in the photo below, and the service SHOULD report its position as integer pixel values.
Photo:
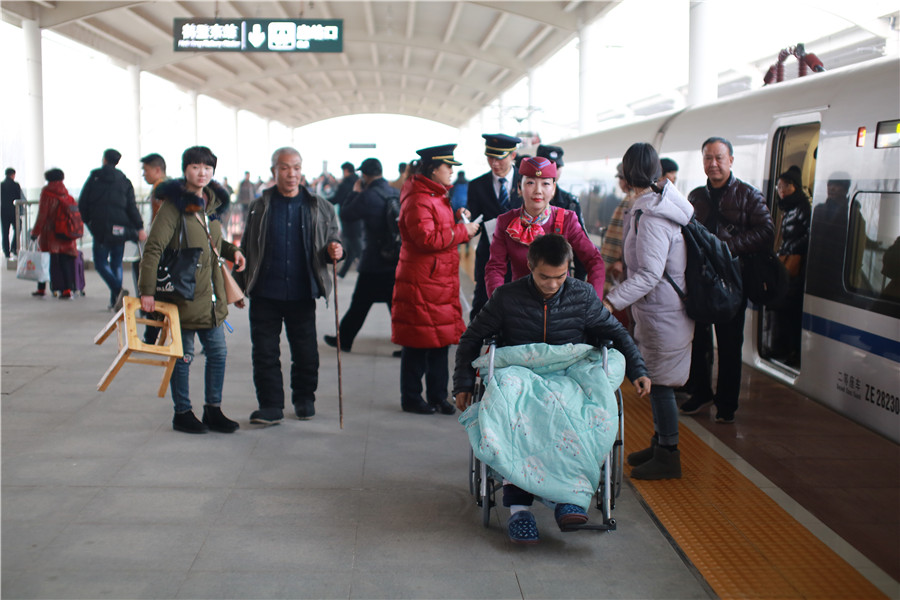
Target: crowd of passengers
(538, 276)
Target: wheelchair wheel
(486, 491)
(473, 476)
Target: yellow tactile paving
(741, 541)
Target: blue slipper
(568, 515)
(522, 528)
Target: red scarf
(525, 228)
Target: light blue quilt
(548, 418)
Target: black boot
(665, 464)
(215, 419)
(188, 423)
(443, 407)
(638, 458)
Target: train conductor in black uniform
(562, 198)
(491, 195)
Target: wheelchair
(484, 482)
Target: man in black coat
(10, 191)
(108, 208)
(367, 203)
(737, 213)
(548, 307)
(491, 195)
(545, 307)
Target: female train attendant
(654, 247)
(519, 227)
(426, 316)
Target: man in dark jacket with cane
(290, 238)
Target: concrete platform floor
(102, 499)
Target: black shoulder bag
(176, 275)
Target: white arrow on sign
(256, 36)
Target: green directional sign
(259, 35)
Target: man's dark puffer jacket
(518, 314)
(744, 222)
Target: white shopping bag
(33, 265)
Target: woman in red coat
(62, 250)
(426, 316)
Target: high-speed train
(842, 129)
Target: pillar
(530, 100)
(238, 165)
(192, 103)
(583, 78)
(32, 172)
(703, 78)
(134, 153)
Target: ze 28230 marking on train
(882, 399)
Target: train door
(780, 326)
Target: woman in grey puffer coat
(654, 246)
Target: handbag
(33, 265)
(765, 278)
(233, 292)
(176, 275)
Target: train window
(887, 135)
(872, 260)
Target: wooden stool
(125, 323)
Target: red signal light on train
(860, 137)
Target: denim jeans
(665, 414)
(299, 319)
(214, 348)
(108, 263)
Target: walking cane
(337, 334)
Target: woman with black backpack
(654, 248)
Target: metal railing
(27, 211)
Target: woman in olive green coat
(193, 205)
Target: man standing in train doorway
(491, 195)
(737, 213)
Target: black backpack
(713, 292)
(389, 249)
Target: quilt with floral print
(548, 418)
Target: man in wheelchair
(550, 307)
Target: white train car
(842, 129)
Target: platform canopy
(437, 60)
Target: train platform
(102, 499)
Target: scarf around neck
(525, 229)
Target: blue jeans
(214, 347)
(108, 263)
(665, 414)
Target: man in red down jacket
(426, 316)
